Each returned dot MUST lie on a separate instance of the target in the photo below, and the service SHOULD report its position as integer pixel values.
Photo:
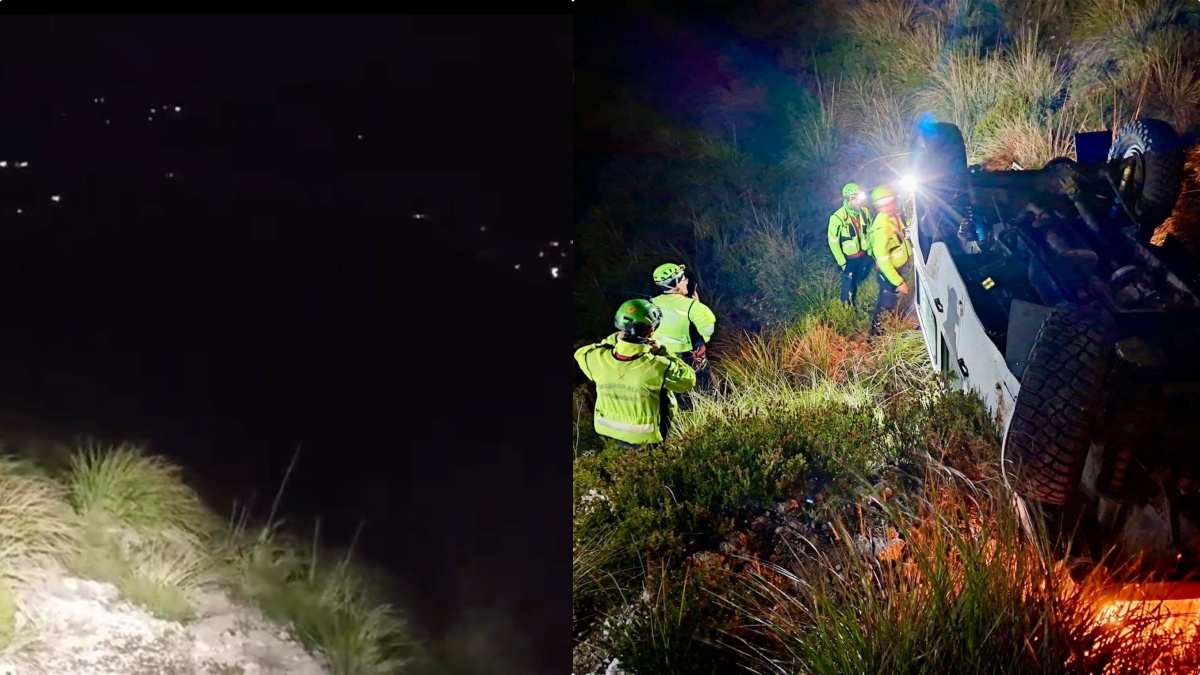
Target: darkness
(245, 275)
(672, 58)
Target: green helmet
(882, 195)
(849, 190)
(668, 274)
(638, 316)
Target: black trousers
(888, 297)
(855, 273)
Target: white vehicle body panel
(952, 331)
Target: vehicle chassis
(997, 254)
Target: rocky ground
(789, 526)
(71, 626)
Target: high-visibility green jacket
(635, 390)
(686, 324)
(848, 233)
(890, 248)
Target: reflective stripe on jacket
(889, 246)
(847, 233)
(635, 397)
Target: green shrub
(679, 629)
(682, 496)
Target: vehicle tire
(1059, 160)
(1155, 152)
(939, 162)
(1061, 397)
(940, 152)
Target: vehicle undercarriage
(1041, 291)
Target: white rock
(79, 628)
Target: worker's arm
(835, 239)
(879, 240)
(581, 357)
(703, 318)
(611, 339)
(680, 376)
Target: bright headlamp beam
(909, 183)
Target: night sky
(234, 235)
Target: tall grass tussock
(118, 514)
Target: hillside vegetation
(833, 506)
(126, 519)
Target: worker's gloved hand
(655, 348)
(902, 289)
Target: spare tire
(1153, 150)
(938, 160)
(1061, 398)
(939, 155)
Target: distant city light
(360, 137)
(152, 110)
(149, 119)
(554, 243)
(108, 121)
(22, 165)
(20, 211)
(419, 216)
(554, 272)
(55, 198)
(3, 164)
(170, 174)
(483, 228)
(178, 109)
(517, 266)
(541, 254)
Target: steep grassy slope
(118, 516)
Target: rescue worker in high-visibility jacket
(847, 234)
(636, 379)
(892, 253)
(687, 323)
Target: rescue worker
(892, 252)
(847, 235)
(687, 323)
(636, 379)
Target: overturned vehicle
(1041, 291)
